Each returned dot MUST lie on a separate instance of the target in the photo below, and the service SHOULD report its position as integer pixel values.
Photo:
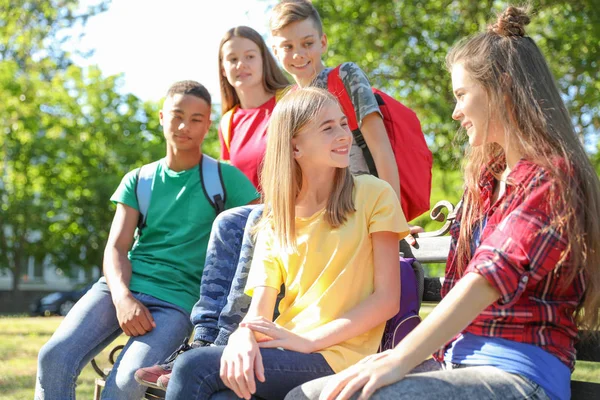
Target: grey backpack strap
(212, 183)
(143, 191)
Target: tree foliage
(67, 136)
(402, 45)
(34, 30)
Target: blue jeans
(196, 373)
(222, 303)
(91, 326)
(432, 380)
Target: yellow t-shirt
(333, 269)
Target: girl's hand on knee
(369, 376)
(338, 381)
(241, 363)
(259, 336)
(375, 357)
(274, 336)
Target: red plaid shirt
(518, 255)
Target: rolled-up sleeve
(359, 89)
(523, 249)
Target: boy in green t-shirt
(150, 286)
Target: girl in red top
(250, 80)
(522, 272)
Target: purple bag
(408, 317)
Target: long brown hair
(273, 78)
(281, 177)
(521, 89)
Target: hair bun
(511, 22)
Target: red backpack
(413, 157)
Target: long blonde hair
(273, 78)
(281, 177)
(521, 89)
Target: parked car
(59, 303)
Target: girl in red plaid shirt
(523, 269)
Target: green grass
(22, 337)
(20, 341)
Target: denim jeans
(431, 380)
(91, 326)
(196, 373)
(222, 303)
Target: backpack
(413, 157)
(407, 318)
(210, 179)
(227, 118)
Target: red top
(248, 139)
(518, 256)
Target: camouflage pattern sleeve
(358, 87)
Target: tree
(401, 45)
(67, 136)
(34, 30)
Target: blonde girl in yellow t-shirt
(331, 240)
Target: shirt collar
(518, 176)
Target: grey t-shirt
(364, 102)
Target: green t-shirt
(168, 259)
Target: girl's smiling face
(473, 109)
(326, 141)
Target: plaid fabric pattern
(519, 255)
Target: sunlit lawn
(22, 337)
(20, 340)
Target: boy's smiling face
(299, 47)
